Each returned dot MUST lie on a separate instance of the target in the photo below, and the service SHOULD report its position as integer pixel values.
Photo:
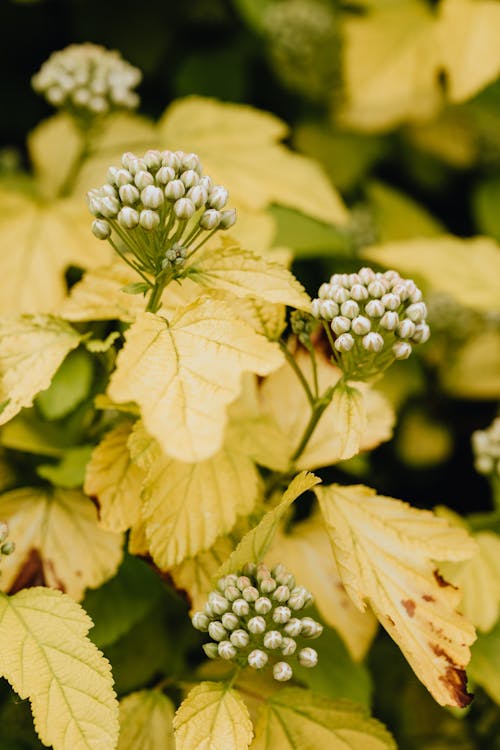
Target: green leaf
(146, 721)
(397, 216)
(485, 665)
(215, 717)
(70, 471)
(138, 287)
(254, 545)
(46, 656)
(485, 202)
(296, 719)
(70, 385)
(123, 601)
(307, 237)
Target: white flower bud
(293, 627)
(241, 607)
(401, 350)
(210, 219)
(218, 197)
(152, 197)
(128, 218)
(263, 573)
(242, 582)
(152, 159)
(240, 638)
(256, 625)
(165, 175)
(366, 275)
(230, 580)
(374, 308)
(257, 659)
(311, 628)
(263, 605)
(308, 657)
(81, 98)
(345, 342)
(417, 312)
(273, 639)
(302, 591)
(211, 650)
(200, 621)
(359, 292)
(192, 161)
(361, 325)
(250, 594)
(285, 579)
(324, 291)
(143, 179)
(129, 194)
(267, 585)
(282, 671)
(209, 611)
(406, 329)
(340, 325)
(249, 569)
(207, 183)
(98, 105)
(123, 177)
(110, 207)
(226, 650)
(127, 158)
(297, 601)
(198, 195)
(328, 309)
(281, 594)
(484, 464)
(391, 301)
(183, 208)
(422, 333)
(190, 178)
(149, 220)
(228, 218)
(281, 615)
(101, 229)
(217, 631)
(94, 204)
(232, 593)
(349, 309)
(230, 620)
(288, 646)
(315, 308)
(376, 289)
(389, 321)
(136, 166)
(218, 602)
(340, 295)
(373, 342)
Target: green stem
(128, 261)
(317, 412)
(154, 301)
(76, 167)
(291, 361)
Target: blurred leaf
(485, 665)
(69, 386)
(253, 12)
(307, 237)
(421, 441)
(474, 370)
(221, 73)
(120, 603)
(399, 217)
(70, 471)
(485, 203)
(146, 721)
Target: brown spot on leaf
(30, 573)
(391, 621)
(441, 581)
(455, 681)
(428, 598)
(409, 605)
(58, 584)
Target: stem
(154, 301)
(291, 361)
(75, 169)
(318, 409)
(128, 261)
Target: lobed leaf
(46, 657)
(146, 721)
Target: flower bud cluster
(252, 619)
(303, 325)
(88, 80)
(486, 448)
(375, 318)
(158, 206)
(304, 46)
(7, 546)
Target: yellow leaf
(188, 505)
(57, 530)
(213, 717)
(31, 350)
(479, 581)
(43, 240)
(469, 41)
(390, 65)
(296, 719)
(255, 544)
(115, 481)
(254, 229)
(245, 274)
(100, 296)
(468, 270)
(54, 147)
(385, 551)
(474, 371)
(317, 570)
(46, 657)
(146, 721)
(422, 441)
(183, 374)
(239, 147)
(356, 419)
(195, 575)
(266, 318)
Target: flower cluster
(7, 546)
(486, 448)
(374, 318)
(88, 80)
(304, 46)
(159, 206)
(252, 620)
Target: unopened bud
(226, 650)
(257, 659)
(184, 208)
(128, 218)
(218, 197)
(211, 650)
(273, 639)
(281, 615)
(149, 220)
(230, 620)
(373, 342)
(256, 625)
(345, 342)
(282, 671)
(227, 218)
(200, 621)
(210, 219)
(152, 197)
(217, 631)
(240, 638)
(308, 657)
(101, 229)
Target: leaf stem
(293, 364)
(76, 167)
(319, 407)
